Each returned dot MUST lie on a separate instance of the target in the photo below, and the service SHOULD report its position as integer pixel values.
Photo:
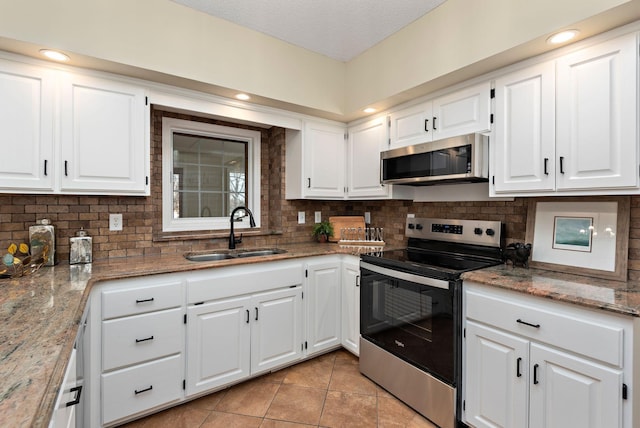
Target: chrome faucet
(252, 223)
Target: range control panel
(477, 232)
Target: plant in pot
(322, 231)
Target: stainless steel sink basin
(232, 254)
(258, 253)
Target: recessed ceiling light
(369, 110)
(243, 97)
(54, 55)
(563, 36)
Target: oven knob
(490, 232)
(477, 231)
(411, 226)
(419, 226)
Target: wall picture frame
(589, 238)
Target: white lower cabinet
(351, 304)
(530, 363)
(323, 304)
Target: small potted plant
(322, 231)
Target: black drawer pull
(426, 125)
(535, 374)
(248, 316)
(546, 166)
(561, 164)
(45, 167)
(66, 172)
(357, 280)
(527, 323)
(143, 390)
(518, 362)
(78, 391)
(434, 123)
(144, 300)
(144, 340)
(256, 314)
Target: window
(208, 170)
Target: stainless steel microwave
(452, 160)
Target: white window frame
(253, 140)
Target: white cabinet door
(276, 328)
(64, 414)
(523, 146)
(363, 168)
(102, 136)
(351, 305)
(597, 116)
(323, 306)
(324, 164)
(411, 126)
(26, 128)
(567, 391)
(495, 378)
(462, 112)
(218, 343)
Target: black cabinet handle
(561, 164)
(66, 174)
(248, 316)
(256, 314)
(527, 323)
(546, 166)
(45, 166)
(140, 391)
(144, 300)
(434, 123)
(309, 183)
(76, 400)
(357, 280)
(535, 374)
(518, 362)
(144, 340)
(426, 125)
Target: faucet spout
(252, 223)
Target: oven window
(413, 321)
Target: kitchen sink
(232, 254)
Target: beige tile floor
(327, 391)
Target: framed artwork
(586, 238)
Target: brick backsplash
(142, 235)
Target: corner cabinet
(364, 144)
(529, 362)
(461, 112)
(71, 133)
(315, 162)
(570, 125)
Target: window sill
(218, 234)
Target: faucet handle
(238, 240)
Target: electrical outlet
(367, 217)
(301, 217)
(411, 216)
(318, 218)
(115, 222)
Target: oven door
(410, 316)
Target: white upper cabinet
(570, 125)
(461, 112)
(597, 116)
(102, 136)
(363, 156)
(524, 132)
(26, 127)
(315, 165)
(72, 133)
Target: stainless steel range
(410, 311)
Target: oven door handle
(418, 279)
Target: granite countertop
(40, 315)
(613, 296)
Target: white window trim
(253, 139)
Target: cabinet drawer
(141, 298)
(141, 338)
(569, 327)
(135, 389)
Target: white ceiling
(339, 29)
